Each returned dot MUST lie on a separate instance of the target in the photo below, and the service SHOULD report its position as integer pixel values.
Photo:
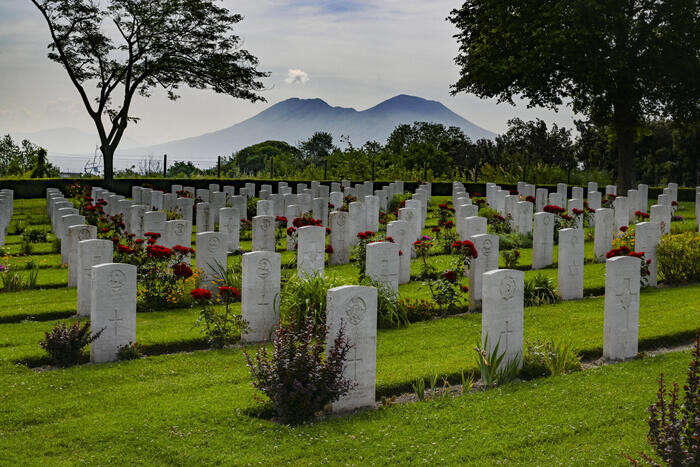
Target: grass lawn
(196, 408)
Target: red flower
(158, 251)
(329, 249)
(104, 229)
(530, 199)
(577, 211)
(637, 254)
(449, 224)
(152, 241)
(290, 231)
(554, 209)
(390, 239)
(400, 252)
(182, 270)
(229, 293)
(443, 206)
(328, 231)
(622, 251)
(138, 241)
(115, 240)
(201, 294)
(435, 229)
(624, 228)
(464, 288)
(674, 203)
(124, 249)
(183, 250)
(152, 234)
(566, 217)
(449, 276)
(331, 206)
(281, 219)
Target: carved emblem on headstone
(356, 310)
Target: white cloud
(296, 76)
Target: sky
(352, 53)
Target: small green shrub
(511, 257)
(679, 258)
(306, 296)
(549, 359)
(12, 280)
(417, 310)
(389, 314)
(34, 235)
(540, 290)
(494, 371)
(398, 201)
(130, 351)
(221, 327)
(252, 207)
(64, 344)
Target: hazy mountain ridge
(295, 119)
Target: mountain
(296, 119)
(68, 140)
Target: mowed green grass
(196, 408)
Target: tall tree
(128, 47)
(317, 149)
(615, 61)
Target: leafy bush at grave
(494, 369)
(305, 296)
(12, 280)
(511, 258)
(252, 207)
(417, 310)
(389, 314)
(514, 241)
(497, 224)
(540, 290)
(674, 428)
(549, 359)
(130, 351)
(163, 277)
(64, 344)
(297, 376)
(220, 326)
(678, 258)
(34, 235)
(397, 202)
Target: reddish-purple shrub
(298, 377)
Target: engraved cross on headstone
(115, 321)
(506, 332)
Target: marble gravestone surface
(260, 291)
(311, 250)
(339, 222)
(400, 232)
(570, 270)
(76, 234)
(621, 322)
(112, 309)
(487, 260)
(211, 258)
(543, 240)
(90, 253)
(383, 264)
(603, 236)
(354, 308)
(502, 315)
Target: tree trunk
(625, 157)
(108, 159)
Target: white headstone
(90, 253)
(211, 258)
(230, 225)
(311, 253)
(621, 326)
(401, 233)
(524, 217)
(543, 240)
(372, 212)
(603, 237)
(354, 309)
(621, 212)
(383, 264)
(647, 236)
(260, 291)
(570, 271)
(502, 315)
(661, 214)
(487, 260)
(76, 234)
(178, 232)
(340, 239)
(112, 310)
(264, 233)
